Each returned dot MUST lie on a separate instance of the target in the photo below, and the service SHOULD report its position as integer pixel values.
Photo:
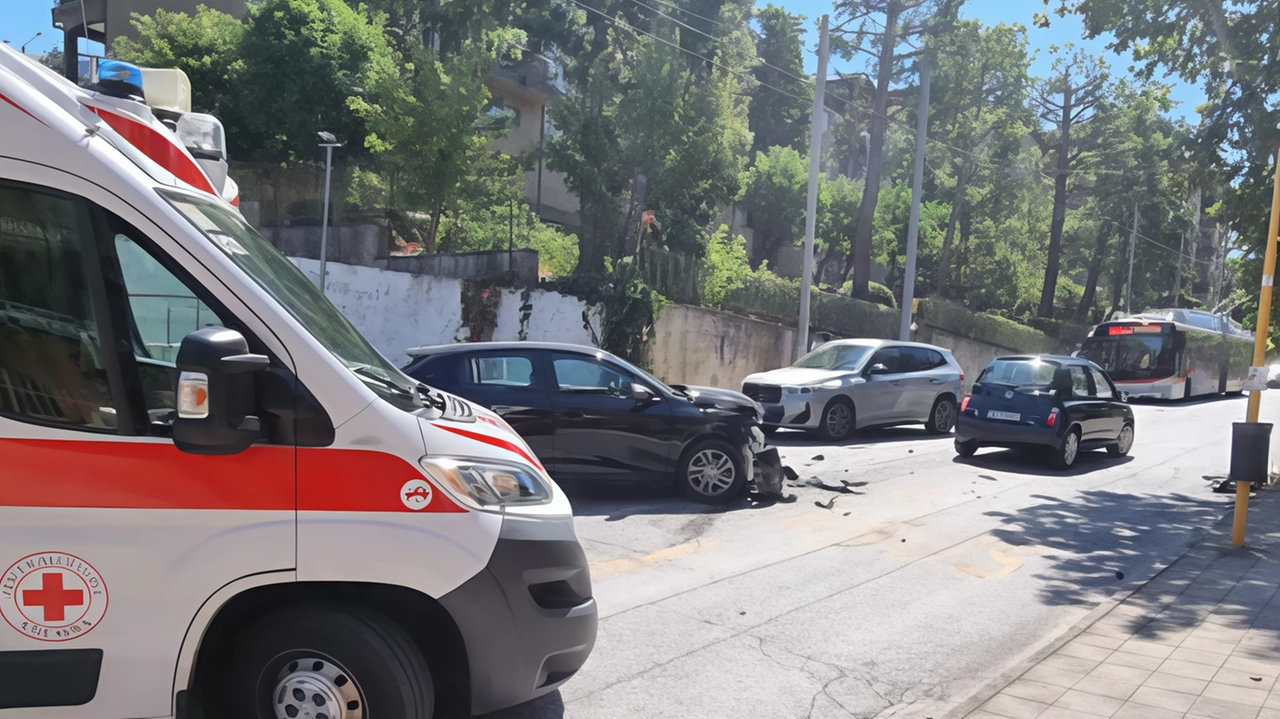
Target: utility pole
(1259, 351)
(328, 142)
(1133, 241)
(811, 210)
(913, 224)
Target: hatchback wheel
(943, 416)
(838, 420)
(712, 472)
(1123, 444)
(1069, 451)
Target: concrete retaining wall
(698, 346)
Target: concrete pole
(913, 224)
(1259, 347)
(811, 210)
(1133, 241)
(324, 221)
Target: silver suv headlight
(486, 484)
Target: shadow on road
(866, 436)
(1177, 404)
(1097, 538)
(550, 706)
(1034, 462)
(619, 502)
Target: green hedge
(779, 299)
(992, 329)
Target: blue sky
(24, 18)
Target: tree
(881, 26)
(207, 47)
(1067, 100)
(773, 191)
(979, 113)
(777, 119)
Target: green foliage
(724, 266)
(774, 191)
(775, 119)
(988, 328)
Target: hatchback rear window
(1019, 372)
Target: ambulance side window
(51, 365)
(162, 310)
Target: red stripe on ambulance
(162, 150)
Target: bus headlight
(487, 484)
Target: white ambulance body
(216, 498)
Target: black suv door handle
(573, 414)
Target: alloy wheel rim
(711, 472)
(316, 688)
(1126, 439)
(839, 420)
(944, 416)
(1071, 449)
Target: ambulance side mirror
(215, 393)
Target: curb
(1009, 676)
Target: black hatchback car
(1063, 404)
(594, 418)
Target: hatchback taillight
(964, 403)
(1053, 418)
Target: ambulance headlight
(488, 484)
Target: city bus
(1172, 354)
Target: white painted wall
(396, 311)
(553, 317)
(393, 310)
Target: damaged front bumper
(766, 465)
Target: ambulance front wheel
(327, 661)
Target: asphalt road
(923, 583)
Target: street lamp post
(25, 44)
(328, 142)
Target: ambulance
(216, 498)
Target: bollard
(1250, 449)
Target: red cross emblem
(52, 597)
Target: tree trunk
(861, 245)
(944, 259)
(1050, 290)
(1191, 252)
(966, 231)
(1091, 284)
(1118, 278)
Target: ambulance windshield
(297, 294)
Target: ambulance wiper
(369, 372)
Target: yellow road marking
(611, 567)
(1008, 564)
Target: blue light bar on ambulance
(120, 79)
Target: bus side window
(51, 368)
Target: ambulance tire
(370, 651)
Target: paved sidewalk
(1201, 639)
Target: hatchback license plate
(994, 414)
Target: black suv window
(51, 364)
(581, 375)
(499, 370)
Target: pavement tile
(1253, 666)
(1175, 683)
(1056, 676)
(1232, 693)
(1163, 698)
(1095, 704)
(1202, 644)
(1084, 651)
(1014, 708)
(1273, 700)
(1036, 691)
(1219, 632)
(1269, 713)
(1064, 713)
(1129, 659)
(979, 714)
(1190, 670)
(1198, 657)
(1132, 675)
(1142, 711)
(1115, 688)
(1100, 640)
(1211, 708)
(1239, 678)
(1071, 664)
(1147, 648)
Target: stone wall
(698, 346)
(975, 339)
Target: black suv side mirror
(640, 393)
(216, 397)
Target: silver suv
(850, 384)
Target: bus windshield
(1129, 358)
